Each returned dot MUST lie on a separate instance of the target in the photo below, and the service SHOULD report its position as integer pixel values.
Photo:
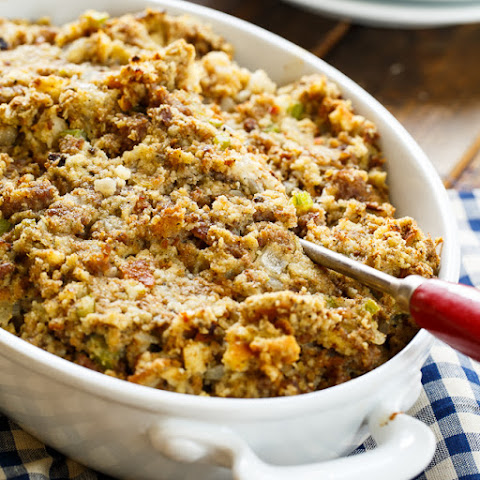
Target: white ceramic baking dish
(131, 431)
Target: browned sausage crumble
(151, 194)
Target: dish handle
(405, 448)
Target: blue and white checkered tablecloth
(449, 402)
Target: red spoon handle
(451, 312)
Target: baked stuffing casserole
(152, 193)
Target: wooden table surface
(428, 78)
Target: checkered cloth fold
(449, 402)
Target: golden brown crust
(151, 191)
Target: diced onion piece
(273, 262)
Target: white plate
(406, 14)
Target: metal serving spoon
(450, 311)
